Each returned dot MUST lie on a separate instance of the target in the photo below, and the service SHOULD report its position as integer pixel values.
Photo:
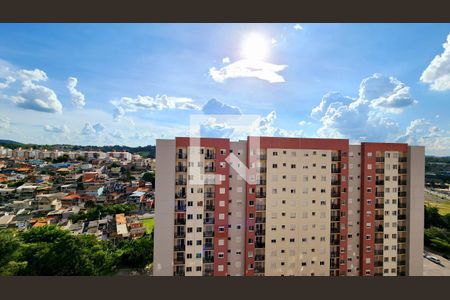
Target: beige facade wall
(415, 209)
(236, 219)
(164, 208)
(354, 209)
(298, 212)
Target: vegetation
(439, 202)
(437, 230)
(50, 251)
(62, 159)
(149, 177)
(96, 211)
(149, 224)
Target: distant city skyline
(129, 84)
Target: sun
(255, 47)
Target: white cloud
(298, 27)
(99, 127)
(303, 123)
(92, 130)
(215, 107)
(248, 69)
(226, 60)
(367, 116)
(273, 41)
(32, 75)
(118, 135)
(37, 97)
(437, 74)
(8, 80)
(4, 123)
(76, 96)
(57, 128)
(264, 126)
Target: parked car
(434, 259)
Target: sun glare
(255, 47)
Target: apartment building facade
(270, 206)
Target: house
(27, 191)
(7, 221)
(48, 202)
(136, 197)
(71, 200)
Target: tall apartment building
(270, 206)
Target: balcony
(208, 246)
(378, 252)
(334, 254)
(210, 169)
(403, 159)
(180, 234)
(179, 273)
(401, 217)
(335, 170)
(180, 221)
(402, 205)
(334, 266)
(335, 206)
(260, 245)
(402, 182)
(335, 182)
(401, 263)
(180, 168)
(379, 241)
(335, 194)
(179, 261)
(208, 272)
(260, 195)
(208, 259)
(379, 194)
(379, 228)
(335, 242)
(179, 248)
(379, 217)
(379, 182)
(379, 159)
(182, 155)
(209, 194)
(260, 207)
(260, 220)
(379, 171)
(180, 195)
(335, 218)
(401, 251)
(208, 233)
(379, 205)
(378, 264)
(402, 194)
(208, 221)
(261, 182)
(259, 257)
(260, 232)
(401, 240)
(261, 156)
(261, 169)
(210, 156)
(180, 208)
(401, 228)
(259, 269)
(403, 273)
(402, 171)
(181, 182)
(209, 207)
(335, 230)
(335, 158)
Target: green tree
(137, 254)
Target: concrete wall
(164, 208)
(415, 209)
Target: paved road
(432, 269)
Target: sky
(129, 84)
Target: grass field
(149, 223)
(442, 205)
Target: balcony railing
(260, 245)
(208, 272)
(335, 182)
(379, 182)
(379, 194)
(260, 220)
(260, 207)
(335, 206)
(401, 240)
(403, 159)
(180, 208)
(402, 205)
(180, 234)
(378, 264)
(379, 205)
(401, 263)
(179, 248)
(209, 207)
(379, 159)
(261, 182)
(209, 194)
(208, 233)
(179, 273)
(379, 171)
(210, 156)
(335, 158)
(402, 194)
(335, 230)
(401, 251)
(181, 182)
(260, 232)
(378, 252)
(180, 221)
(335, 242)
(208, 246)
(261, 156)
(379, 217)
(180, 195)
(210, 169)
(335, 218)
(182, 155)
(180, 168)
(402, 171)
(179, 261)
(401, 228)
(208, 259)
(402, 182)
(335, 170)
(260, 194)
(259, 257)
(261, 169)
(259, 269)
(335, 194)
(379, 241)
(208, 221)
(401, 217)
(334, 254)
(379, 229)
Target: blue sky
(132, 83)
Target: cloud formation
(215, 107)
(76, 96)
(56, 128)
(4, 123)
(248, 69)
(437, 74)
(37, 97)
(298, 27)
(92, 130)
